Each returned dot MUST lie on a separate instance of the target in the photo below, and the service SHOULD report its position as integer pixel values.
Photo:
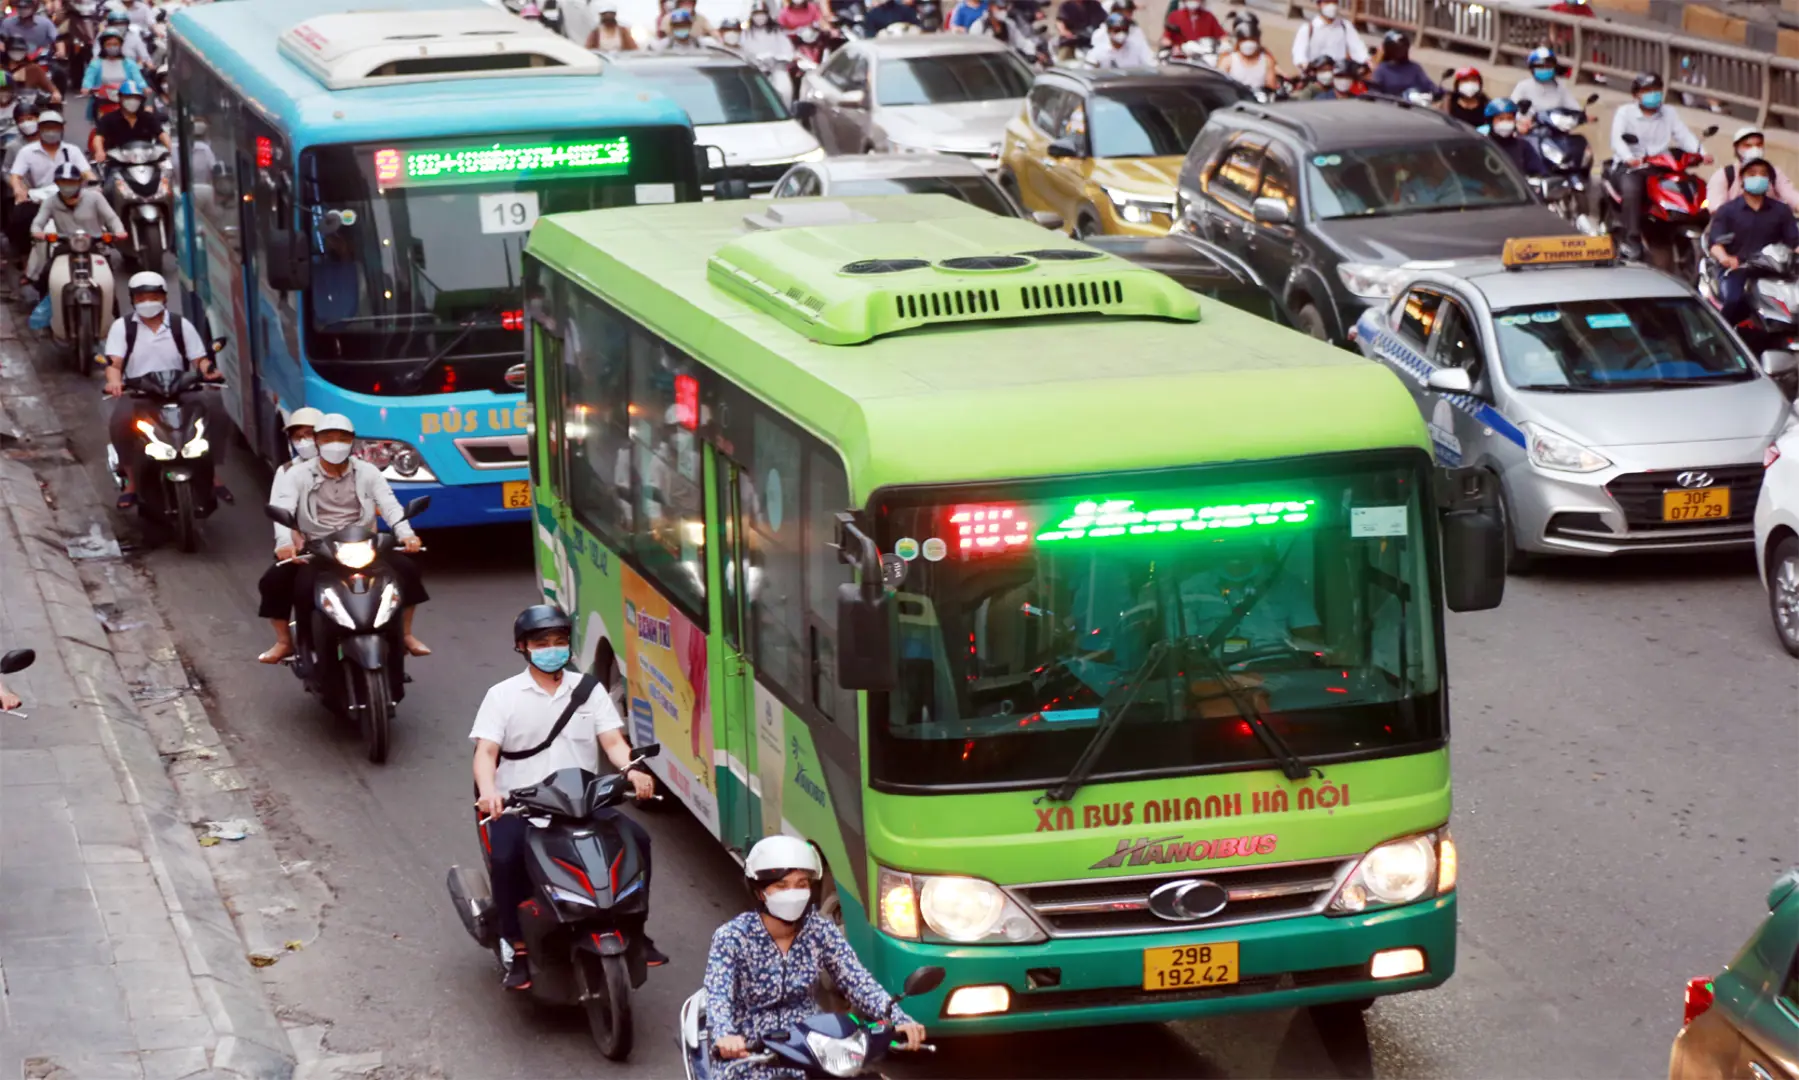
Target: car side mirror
(1049, 219)
(853, 99)
(865, 619)
(1473, 539)
(1269, 210)
(1449, 380)
(804, 111)
(1779, 362)
(922, 981)
(1068, 146)
(417, 506)
(17, 660)
(281, 515)
(289, 263)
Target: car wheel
(1308, 320)
(1783, 592)
(1518, 562)
(1085, 225)
(1008, 183)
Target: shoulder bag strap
(583, 691)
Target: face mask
(758, 20)
(111, 52)
(69, 194)
(28, 127)
(1195, 5)
(1329, 11)
(1543, 75)
(148, 309)
(1323, 77)
(788, 904)
(1342, 86)
(1651, 101)
(1757, 185)
(1749, 153)
(1119, 36)
(131, 105)
(549, 659)
(51, 137)
(732, 37)
(1249, 48)
(1504, 128)
(15, 54)
(336, 453)
(1467, 89)
(683, 35)
(304, 449)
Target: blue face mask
(1543, 74)
(1652, 100)
(549, 659)
(1757, 185)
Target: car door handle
(1758, 1072)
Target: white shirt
(1335, 39)
(517, 714)
(1543, 96)
(38, 165)
(1655, 132)
(1134, 53)
(156, 350)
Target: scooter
(1773, 288)
(138, 187)
(81, 295)
(16, 660)
(822, 1045)
(347, 649)
(810, 47)
(1570, 158)
(1674, 211)
(583, 921)
(175, 463)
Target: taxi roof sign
(1522, 251)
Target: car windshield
(1027, 615)
(717, 94)
(1616, 344)
(1155, 121)
(950, 79)
(970, 189)
(1386, 181)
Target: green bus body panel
(994, 400)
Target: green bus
(1093, 635)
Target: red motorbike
(811, 44)
(1674, 210)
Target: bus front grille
(1106, 907)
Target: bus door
(236, 359)
(735, 712)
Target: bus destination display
(417, 166)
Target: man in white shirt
(1327, 35)
(1655, 128)
(1120, 44)
(34, 166)
(514, 749)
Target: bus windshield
(1190, 603)
(415, 249)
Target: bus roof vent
(379, 48)
(844, 284)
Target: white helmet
(332, 422)
(304, 416)
(774, 857)
(143, 279)
(1742, 133)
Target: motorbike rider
(129, 123)
(1077, 21)
(1248, 63)
(1116, 47)
(26, 73)
(1742, 227)
(1327, 34)
(1006, 22)
(890, 13)
(142, 16)
(1727, 183)
(1543, 90)
(797, 13)
(1397, 72)
(32, 27)
(518, 714)
(1188, 20)
(702, 26)
(1502, 129)
(107, 71)
(1346, 82)
(610, 35)
(1469, 102)
(681, 36)
(1657, 129)
(153, 339)
(75, 206)
(763, 964)
(764, 39)
(135, 48)
(34, 166)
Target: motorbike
(808, 55)
(138, 187)
(930, 16)
(852, 18)
(81, 294)
(79, 30)
(1570, 159)
(347, 648)
(583, 920)
(1674, 211)
(1773, 290)
(821, 1045)
(175, 465)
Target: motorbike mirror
(220, 342)
(1629, 138)
(1592, 99)
(649, 750)
(1779, 362)
(1709, 132)
(922, 981)
(17, 660)
(417, 506)
(281, 515)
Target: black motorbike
(137, 184)
(1566, 187)
(584, 919)
(822, 1045)
(347, 646)
(174, 463)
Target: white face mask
(131, 105)
(732, 37)
(1749, 153)
(336, 453)
(28, 127)
(788, 904)
(1119, 36)
(1504, 128)
(1343, 86)
(305, 449)
(1329, 11)
(148, 309)
(1467, 89)
(1249, 48)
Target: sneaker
(518, 971)
(652, 956)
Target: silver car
(905, 174)
(1618, 410)
(951, 93)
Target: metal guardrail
(1753, 83)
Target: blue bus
(356, 187)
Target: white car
(905, 174)
(1777, 534)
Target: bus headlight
(964, 910)
(397, 460)
(1398, 872)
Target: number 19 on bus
(508, 211)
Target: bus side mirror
(865, 635)
(1473, 538)
(289, 264)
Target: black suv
(1326, 199)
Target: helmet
(1396, 37)
(680, 17)
(117, 17)
(149, 281)
(1746, 132)
(774, 857)
(1349, 67)
(1500, 107)
(1541, 56)
(330, 421)
(729, 24)
(131, 88)
(1756, 163)
(1647, 80)
(539, 618)
(68, 170)
(49, 116)
(112, 32)
(1118, 20)
(304, 416)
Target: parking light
(1395, 963)
(978, 1001)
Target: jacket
(1727, 183)
(294, 486)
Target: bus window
(596, 398)
(826, 493)
(772, 508)
(671, 512)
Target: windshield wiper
(1701, 380)
(1564, 389)
(1291, 766)
(411, 379)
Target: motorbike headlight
(1552, 450)
(568, 898)
(81, 243)
(197, 446)
(1554, 154)
(839, 1057)
(333, 605)
(1399, 872)
(390, 603)
(1368, 280)
(965, 910)
(154, 448)
(397, 460)
(354, 554)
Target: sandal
(127, 500)
(223, 494)
(277, 653)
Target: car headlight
(1552, 450)
(397, 460)
(1138, 209)
(839, 1057)
(817, 153)
(964, 910)
(1369, 280)
(1399, 872)
(333, 605)
(196, 446)
(354, 554)
(390, 603)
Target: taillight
(512, 320)
(1770, 455)
(1699, 998)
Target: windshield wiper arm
(411, 379)
(1291, 765)
(1109, 723)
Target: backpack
(180, 326)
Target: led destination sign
(418, 166)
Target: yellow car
(1102, 147)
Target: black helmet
(1648, 80)
(1396, 37)
(539, 618)
(729, 24)
(1349, 67)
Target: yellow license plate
(515, 494)
(1700, 504)
(1183, 967)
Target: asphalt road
(1626, 738)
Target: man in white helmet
(151, 339)
(1727, 183)
(278, 598)
(764, 963)
(330, 492)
